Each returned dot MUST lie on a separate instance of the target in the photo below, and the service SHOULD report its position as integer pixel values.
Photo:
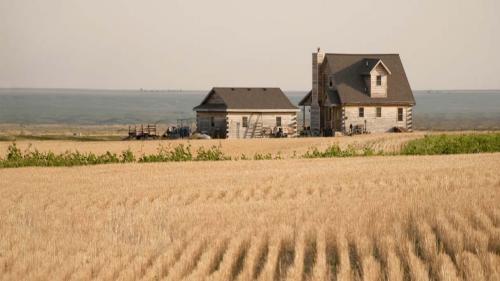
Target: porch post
(303, 117)
(332, 118)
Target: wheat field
(375, 218)
(369, 218)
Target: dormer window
(375, 74)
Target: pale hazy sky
(444, 44)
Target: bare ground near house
(62, 130)
(369, 218)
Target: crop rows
(450, 247)
(380, 218)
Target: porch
(331, 116)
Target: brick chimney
(317, 60)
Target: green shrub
(313, 153)
(368, 151)
(127, 156)
(212, 154)
(258, 156)
(453, 144)
(14, 153)
(332, 151)
(177, 154)
(181, 153)
(16, 158)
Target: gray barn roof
(246, 99)
(348, 70)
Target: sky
(187, 44)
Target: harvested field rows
(377, 218)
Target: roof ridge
(246, 87)
(370, 54)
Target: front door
(337, 118)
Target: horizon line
(198, 90)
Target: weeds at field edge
(429, 145)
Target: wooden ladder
(409, 119)
(257, 129)
(293, 125)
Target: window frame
(379, 82)
(279, 124)
(244, 121)
(212, 121)
(330, 82)
(361, 112)
(400, 114)
(378, 111)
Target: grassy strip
(453, 144)
(17, 158)
(429, 145)
(335, 151)
(183, 153)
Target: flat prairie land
(364, 218)
(234, 148)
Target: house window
(400, 114)
(278, 121)
(244, 121)
(328, 114)
(361, 112)
(379, 80)
(379, 111)
(212, 121)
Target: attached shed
(246, 113)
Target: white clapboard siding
(257, 123)
(378, 91)
(385, 123)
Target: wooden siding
(378, 91)
(204, 124)
(374, 124)
(257, 122)
(335, 120)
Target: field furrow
(364, 218)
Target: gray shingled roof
(247, 98)
(368, 65)
(348, 71)
(306, 100)
(351, 86)
(333, 96)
